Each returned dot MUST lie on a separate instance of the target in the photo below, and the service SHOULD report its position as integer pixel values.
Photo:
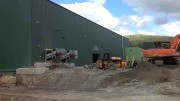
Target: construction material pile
(65, 79)
(8, 81)
(146, 72)
(87, 79)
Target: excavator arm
(174, 42)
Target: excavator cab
(161, 44)
(106, 56)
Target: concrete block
(41, 70)
(22, 71)
(38, 65)
(42, 64)
(31, 71)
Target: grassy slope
(146, 41)
(148, 38)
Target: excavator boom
(174, 42)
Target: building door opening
(96, 56)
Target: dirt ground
(147, 82)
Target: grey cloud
(144, 25)
(161, 20)
(139, 22)
(170, 7)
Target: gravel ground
(145, 83)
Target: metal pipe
(122, 45)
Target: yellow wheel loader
(107, 62)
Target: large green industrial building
(27, 27)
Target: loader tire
(111, 66)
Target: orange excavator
(164, 55)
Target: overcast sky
(128, 17)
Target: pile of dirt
(65, 79)
(151, 73)
(145, 72)
(87, 79)
(175, 76)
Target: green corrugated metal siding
(29, 26)
(15, 31)
(135, 52)
(56, 27)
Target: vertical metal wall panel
(134, 52)
(15, 33)
(56, 27)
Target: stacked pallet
(8, 81)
